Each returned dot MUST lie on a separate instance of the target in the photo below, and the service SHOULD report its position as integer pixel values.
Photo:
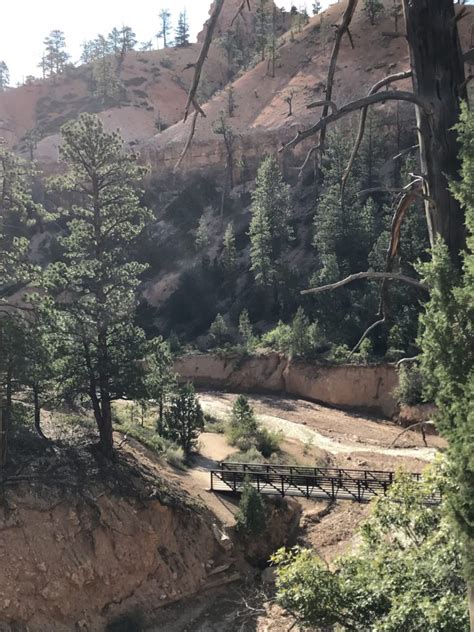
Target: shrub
(250, 517)
(243, 426)
(252, 455)
(410, 385)
(174, 455)
(268, 442)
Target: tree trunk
(106, 443)
(37, 405)
(438, 78)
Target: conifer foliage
(96, 283)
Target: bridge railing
(310, 482)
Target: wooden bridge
(311, 482)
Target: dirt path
(310, 423)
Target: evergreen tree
(160, 381)
(182, 30)
(222, 128)
(107, 86)
(96, 283)
(218, 329)
(114, 41)
(396, 12)
(165, 19)
(316, 8)
(262, 21)
(184, 420)
(373, 8)
(4, 76)
(245, 327)
(55, 56)
(242, 421)
(269, 231)
(202, 236)
(229, 252)
(448, 352)
(251, 516)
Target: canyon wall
(366, 388)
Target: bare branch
(188, 142)
(344, 26)
(419, 424)
(363, 118)
(353, 106)
(240, 10)
(317, 104)
(367, 275)
(364, 336)
(406, 151)
(203, 55)
(307, 159)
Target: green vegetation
(405, 575)
(244, 432)
(184, 420)
(447, 361)
(251, 516)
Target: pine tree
(218, 329)
(55, 56)
(242, 421)
(373, 8)
(269, 231)
(316, 8)
(107, 86)
(165, 19)
(4, 76)
(245, 327)
(251, 516)
(229, 252)
(202, 236)
(262, 21)
(102, 348)
(160, 381)
(222, 128)
(184, 420)
(182, 30)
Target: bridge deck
(310, 482)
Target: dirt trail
(312, 423)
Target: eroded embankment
(83, 542)
(369, 388)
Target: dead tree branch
(202, 57)
(364, 336)
(363, 118)
(189, 141)
(317, 104)
(240, 10)
(353, 106)
(419, 424)
(343, 28)
(394, 276)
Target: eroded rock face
(71, 557)
(347, 386)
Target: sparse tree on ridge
(373, 8)
(55, 55)
(182, 30)
(165, 19)
(4, 75)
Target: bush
(268, 442)
(174, 455)
(252, 455)
(410, 385)
(250, 518)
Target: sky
(25, 24)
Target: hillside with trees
(293, 189)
